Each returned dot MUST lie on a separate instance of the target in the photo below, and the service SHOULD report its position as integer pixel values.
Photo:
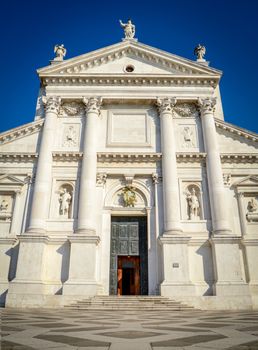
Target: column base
(231, 289)
(36, 231)
(176, 231)
(85, 231)
(87, 288)
(173, 289)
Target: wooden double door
(128, 256)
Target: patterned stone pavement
(128, 330)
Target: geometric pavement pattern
(128, 330)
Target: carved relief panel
(6, 205)
(70, 136)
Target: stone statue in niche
(4, 205)
(188, 137)
(193, 205)
(129, 29)
(70, 137)
(65, 199)
(252, 210)
(129, 196)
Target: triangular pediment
(233, 139)
(250, 180)
(113, 60)
(10, 180)
(21, 132)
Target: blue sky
(228, 29)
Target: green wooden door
(129, 237)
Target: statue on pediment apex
(129, 29)
(200, 51)
(60, 52)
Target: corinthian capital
(207, 105)
(165, 105)
(93, 104)
(52, 104)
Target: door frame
(142, 253)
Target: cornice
(67, 156)
(14, 157)
(239, 157)
(21, 131)
(132, 80)
(129, 157)
(249, 135)
(184, 157)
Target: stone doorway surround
(128, 255)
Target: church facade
(129, 182)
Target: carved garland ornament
(72, 109)
(186, 110)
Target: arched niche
(65, 194)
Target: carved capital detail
(165, 105)
(92, 105)
(207, 105)
(101, 179)
(52, 104)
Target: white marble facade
(129, 116)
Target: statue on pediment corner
(60, 52)
(129, 29)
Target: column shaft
(41, 191)
(169, 168)
(214, 169)
(87, 196)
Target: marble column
(87, 196)
(169, 167)
(41, 191)
(214, 170)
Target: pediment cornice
(133, 80)
(77, 67)
(237, 131)
(21, 131)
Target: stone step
(128, 303)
